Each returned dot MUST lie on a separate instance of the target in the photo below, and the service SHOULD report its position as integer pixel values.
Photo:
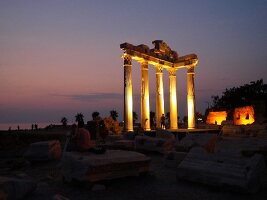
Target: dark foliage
(240, 96)
(245, 95)
(114, 114)
(95, 115)
(79, 118)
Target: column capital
(127, 59)
(172, 72)
(144, 65)
(159, 68)
(190, 70)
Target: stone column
(145, 109)
(173, 100)
(191, 97)
(128, 93)
(159, 95)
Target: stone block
(192, 140)
(124, 144)
(254, 129)
(112, 164)
(233, 130)
(164, 134)
(154, 144)
(15, 188)
(226, 171)
(44, 151)
(173, 159)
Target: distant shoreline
(24, 126)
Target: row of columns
(145, 108)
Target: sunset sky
(60, 57)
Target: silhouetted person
(32, 127)
(36, 126)
(18, 128)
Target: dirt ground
(160, 183)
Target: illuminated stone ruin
(241, 116)
(216, 117)
(244, 115)
(161, 57)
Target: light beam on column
(191, 97)
(145, 108)
(128, 93)
(173, 100)
(159, 95)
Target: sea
(23, 126)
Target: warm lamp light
(244, 115)
(216, 117)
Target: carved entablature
(190, 70)
(143, 48)
(161, 47)
(161, 54)
(164, 50)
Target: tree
(135, 117)
(64, 121)
(111, 125)
(79, 118)
(240, 96)
(114, 115)
(95, 115)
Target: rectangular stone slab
(222, 170)
(112, 164)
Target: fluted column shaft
(191, 97)
(159, 95)
(128, 94)
(173, 100)
(145, 108)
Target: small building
(216, 117)
(243, 115)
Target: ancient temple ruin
(161, 57)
